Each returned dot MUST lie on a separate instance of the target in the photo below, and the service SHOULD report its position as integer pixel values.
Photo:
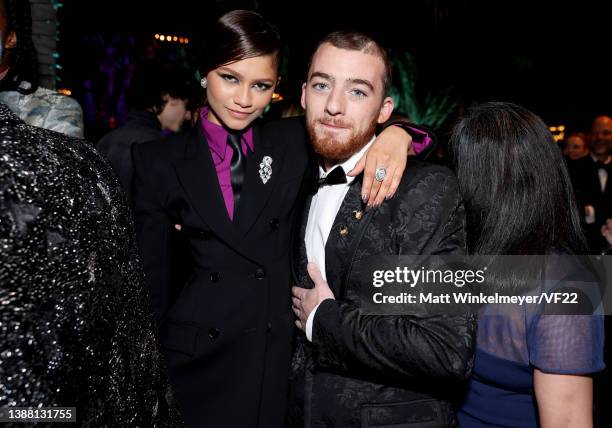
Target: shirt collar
(216, 135)
(348, 164)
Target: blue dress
(511, 343)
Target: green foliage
(428, 108)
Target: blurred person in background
(19, 88)
(159, 105)
(575, 146)
(591, 184)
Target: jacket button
(213, 333)
(260, 274)
(269, 326)
(214, 277)
(274, 224)
(343, 230)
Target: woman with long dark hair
(530, 369)
(234, 188)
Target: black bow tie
(336, 176)
(600, 165)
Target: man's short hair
(356, 41)
(152, 81)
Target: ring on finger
(380, 174)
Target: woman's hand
(389, 151)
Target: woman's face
(238, 93)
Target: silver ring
(380, 174)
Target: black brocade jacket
(383, 370)
(75, 324)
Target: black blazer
(383, 370)
(585, 179)
(227, 336)
(140, 126)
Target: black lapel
(256, 193)
(197, 174)
(300, 257)
(347, 227)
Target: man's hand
(606, 231)
(305, 299)
(389, 151)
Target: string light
(170, 38)
(558, 132)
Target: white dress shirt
(323, 211)
(603, 174)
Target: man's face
(344, 100)
(601, 135)
(575, 147)
(173, 114)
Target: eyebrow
(229, 70)
(363, 82)
(240, 76)
(351, 80)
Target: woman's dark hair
(22, 58)
(517, 191)
(238, 35)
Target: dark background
(552, 58)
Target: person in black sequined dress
(75, 325)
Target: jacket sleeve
(401, 347)
(153, 228)
(424, 140)
(391, 346)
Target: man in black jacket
(158, 100)
(590, 180)
(352, 369)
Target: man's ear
(386, 109)
(303, 99)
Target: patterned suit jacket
(364, 370)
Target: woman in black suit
(233, 187)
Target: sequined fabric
(46, 109)
(75, 325)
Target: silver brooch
(265, 169)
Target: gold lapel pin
(343, 230)
(358, 214)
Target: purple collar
(216, 135)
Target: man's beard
(332, 149)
